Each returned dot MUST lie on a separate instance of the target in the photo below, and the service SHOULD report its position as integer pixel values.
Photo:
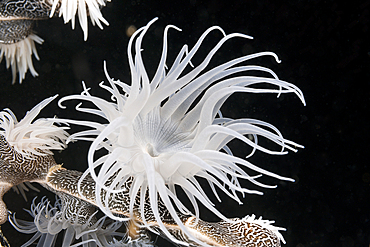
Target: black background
(324, 48)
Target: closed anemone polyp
(167, 131)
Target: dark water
(324, 48)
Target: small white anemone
(37, 137)
(265, 224)
(18, 56)
(168, 131)
(50, 220)
(70, 8)
(145, 242)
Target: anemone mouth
(159, 138)
(152, 151)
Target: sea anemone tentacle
(23, 187)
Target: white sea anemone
(18, 56)
(32, 137)
(70, 8)
(168, 131)
(50, 220)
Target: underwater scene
(188, 123)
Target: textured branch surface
(30, 9)
(234, 232)
(15, 169)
